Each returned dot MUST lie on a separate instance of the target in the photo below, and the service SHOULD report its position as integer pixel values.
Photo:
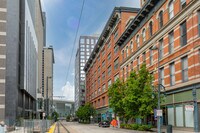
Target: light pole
(158, 108)
(47, 104)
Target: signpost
(159, 112)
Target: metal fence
(35, 126)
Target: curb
(52, 128)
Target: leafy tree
(138, 101)
(55, 116)
(84, 112)
(116, 95)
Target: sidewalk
(164, 130)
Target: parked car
(104, 123)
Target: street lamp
(158, 108)
(47, 104)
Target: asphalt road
(90, 128)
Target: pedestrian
(114, 122)
(2, 130)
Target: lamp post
(158, 108)
(47, 104)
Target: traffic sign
(189, 108)
(159, 112)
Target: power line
(75, 40)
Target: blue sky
(62, 21)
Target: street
(74, 127)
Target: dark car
(104, 124)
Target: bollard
(169, 128)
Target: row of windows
(160, 20)
(88, 41)
(98, 102)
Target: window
(87, 46)
(131, 65)
(109, 70)
(162, 81)
(82, 46)
(183, 33)
(144, 57)
(131, 46)
(184, 62)
(98, 58)
(123, 72)
(122, 54)
(171, 42)
(109, 44)
(87, 50)
(150, 29)
(183, 3)
(82, 41)
(161, 49)
(115, 34)
(116, 49)
(88, 41)
(127, 51)
(103, 101)
(103, 64)
(82, 49)
(103, 52)
(98, 80)
(87, 53)
(99, 90)
(103, 88)
(99, 69)
(138, 63)
(109, 56)
(116, 64)
(172, 74)
(103, 75)
(82, 53)
(116, 77)
(199, 22)
(160, 18)
(144, 35)
(151, 56)
(92, 41)
(138, 41)
(171, 9)
(127, 71)
(92, 46)
(82, 57)
(109, 83)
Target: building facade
(47, 79)
(19, 59)
(165, 35)
(86, 46)
(103, 67)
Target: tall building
(47, 78)
(103, 66)
(18, 59)
(165, 35)
(40, 26)
(86, 45)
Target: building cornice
(107, 29)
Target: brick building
(102, 67)
(173, 27)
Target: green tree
(138, 101)
(55, 116)
(84, 112)
(116, 95)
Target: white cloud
(68, 91)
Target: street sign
(159, 112)
(189, 108)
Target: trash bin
(169, 128)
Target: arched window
(150, 29)
(143, 35)
(171, 9)
(123, 55)
(138, 41)
(127, 51)
(131, 46)
(160, 19)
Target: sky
(62, 23)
